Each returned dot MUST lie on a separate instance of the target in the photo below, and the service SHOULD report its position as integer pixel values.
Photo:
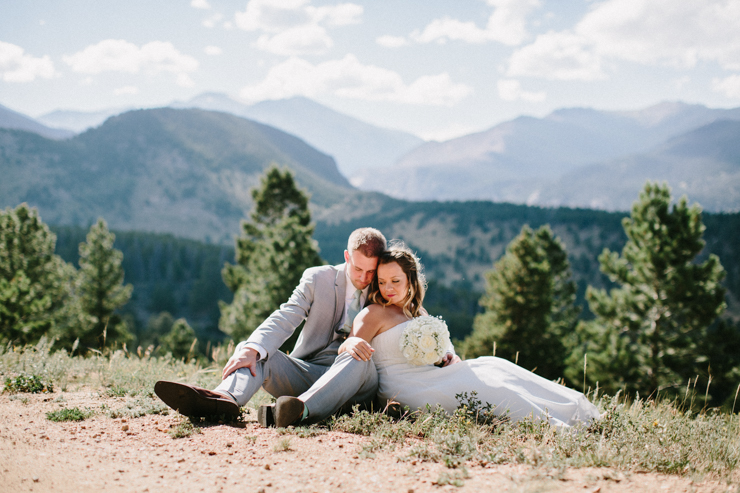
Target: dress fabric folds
(514, 391)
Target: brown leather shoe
(288, 410)
(195, 401)
(266, 415)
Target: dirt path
(139, 455)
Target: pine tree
(180, 341)
(101, 290)
(529, 305)
(157, 327)
(35, 284)
(274, 249)
(650, 329)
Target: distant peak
(658, 113)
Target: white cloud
(729, 86)
(212, 50)
(507, 24)
(442, 30)
(18, 66)
(391, 41)
(184, 80)
(294, 27)
(348, 78)
(343, 14)
(200, 4)
(114, 55)
(511, 90)
(556, 56)
(126, 91)
(307, 39)
(679, 34)
(211, 21)
(647, 32)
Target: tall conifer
(274, 249)
(35, 284)
(649, 332)
(100, 289)
(529, 305)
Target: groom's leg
(347, 380)
(279, 374)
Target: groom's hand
(358, 348)
(246, 358)
(450, 359)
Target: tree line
(656, 332)
(656, 329)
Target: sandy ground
(139, 455)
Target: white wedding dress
(514, 391)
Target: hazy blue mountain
(703, 164)
(355, 145)
(79, 121)
(519, 160)
(186, 172)
(10, 119)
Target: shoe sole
(189, 402)
(288, 411)
(266, 415)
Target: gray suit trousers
(324, 384)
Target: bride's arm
(365, 327)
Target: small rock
(267, 467)
(35, 479)
(229, 444)
(124, 428)
(211, 452)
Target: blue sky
(435, 68)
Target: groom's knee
(348, 363)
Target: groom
(312, 382)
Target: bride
(396, 296)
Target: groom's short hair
(368, 241)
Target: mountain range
(578, 158)
(185, 172)
(355, 145)
(12, 119)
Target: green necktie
(352, 311)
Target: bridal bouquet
(425, 340)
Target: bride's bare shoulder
(376, 312)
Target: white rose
(430, 358)
(428, 342)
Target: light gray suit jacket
(319, 300)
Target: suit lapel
(340, 288)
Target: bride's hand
(450, 359)
(358, 348)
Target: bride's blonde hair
(399, 253)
